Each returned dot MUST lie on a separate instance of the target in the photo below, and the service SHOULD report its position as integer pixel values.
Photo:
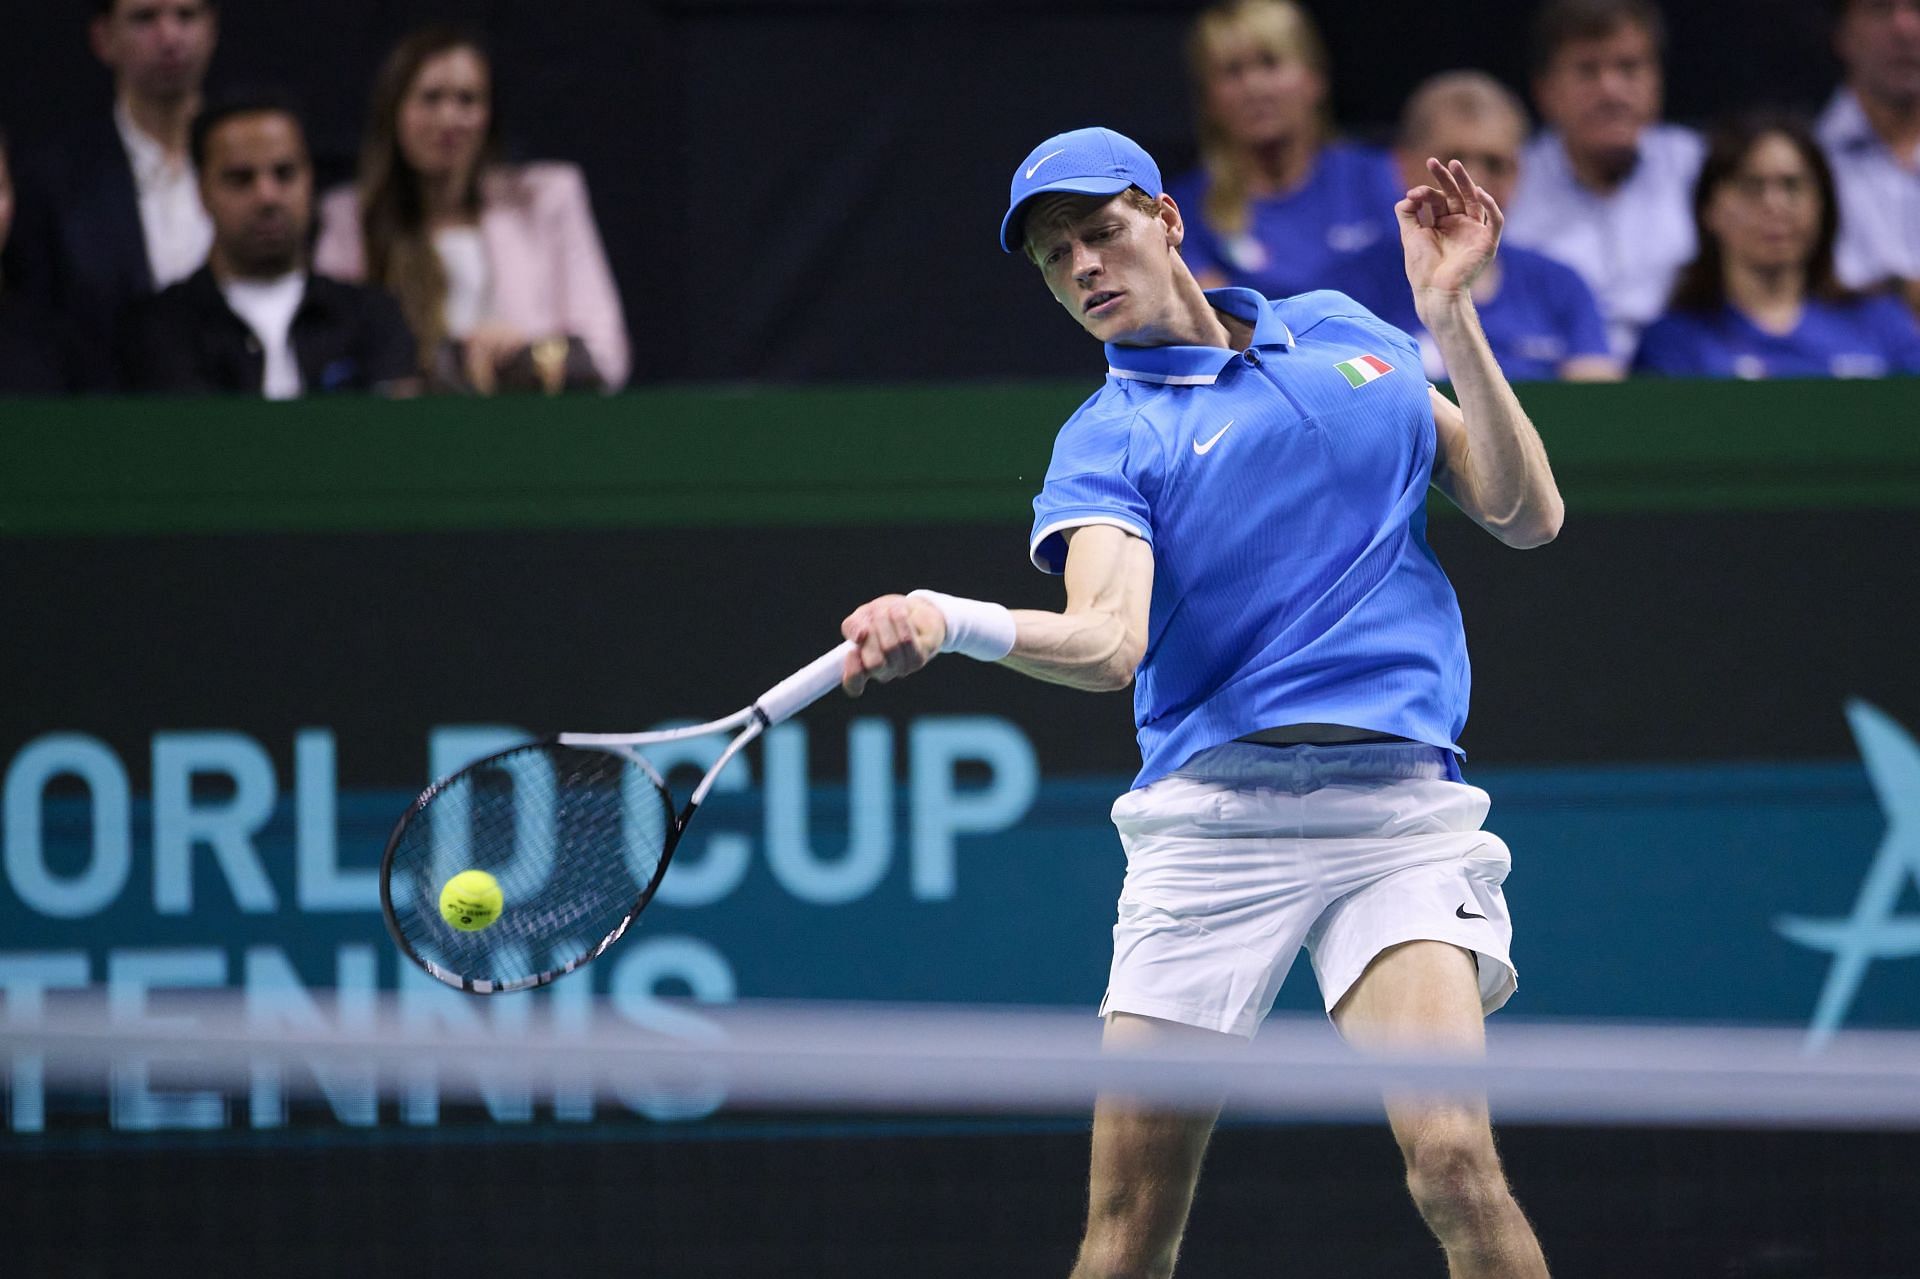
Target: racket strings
(573, 837)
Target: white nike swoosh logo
(1204, 449)
(1042, 160)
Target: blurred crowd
(176, 242)
(1770, 247)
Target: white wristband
(975, 628)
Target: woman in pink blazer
(499, 268)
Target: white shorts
(1248, 852)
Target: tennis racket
(576, 829)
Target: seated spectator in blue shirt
(1540, 318)
(1761, 299)
(1606, 184)
(254, 319)
(1871, 132)
(1274, 201)
(31, 359)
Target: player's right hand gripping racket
(577, 829)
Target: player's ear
(1170, 219)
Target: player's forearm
(1503, 476)
(1095, 643)
(1089, 649)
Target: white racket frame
(783, 701)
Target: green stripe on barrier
(763, 456)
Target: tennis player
(1239, 513)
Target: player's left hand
(895, 636)
(1449, 232)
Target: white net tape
(946, 1058)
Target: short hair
(1468, 95)
(1137, 200)
(1561, 22)
(232, 105)
(105, 8)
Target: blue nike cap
(1082, 162)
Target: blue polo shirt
(1283, 490)
(1344, 205)
(1543, 315)
(1865, 337)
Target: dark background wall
(940, 1201)
(805, 189)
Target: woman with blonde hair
(499, 268)
(1275, 200)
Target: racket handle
(805, 686)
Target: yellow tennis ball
(471, 901)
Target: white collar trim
(1166, 379)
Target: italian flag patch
(1362, 369)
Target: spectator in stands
(1604, 187)
(1871, 132)
(253, 318)
(1761, 298)
(499, 268)
(1540, 318)
(31, 361)
(1274, 201)
(112, 213)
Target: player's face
(1601, 93)
(1258, 94)
(160, 48)
(1110, 265)
(1879, 41)
(443, 118)
(1767, 214)
(1488, 145)
(257, 185)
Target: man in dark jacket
(255, 319)
(108, 212)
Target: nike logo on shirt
(1204, 449)
(1042, 160)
